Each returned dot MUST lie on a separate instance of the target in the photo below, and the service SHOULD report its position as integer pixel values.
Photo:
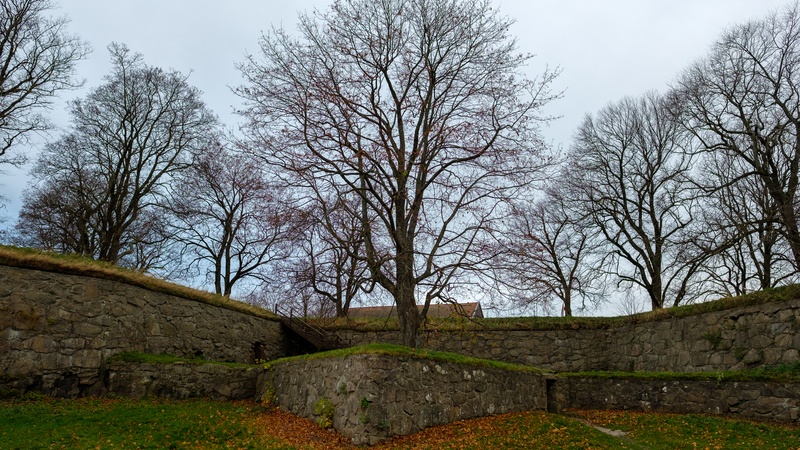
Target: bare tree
(742, 220)
(129, 136)
(58, 210)
(60, 213)
(54, 218)
(630, 171)
(550, 255)
(37, 59)
(419, 107)
(743, 101)
(229, 219)
(332, 263)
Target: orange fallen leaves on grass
(297, 431)
(300, 432)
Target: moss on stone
(782, 373)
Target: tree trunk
(409, 317)
(789, 220)
(656, 295)
(407, 310)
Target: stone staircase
(319, 338)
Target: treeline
(685, 195)
(394, 149)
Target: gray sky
(607, 50)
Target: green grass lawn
(675, 431)
(130, 424)
(42, 423)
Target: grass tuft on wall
(782, 373)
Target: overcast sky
(607, 50)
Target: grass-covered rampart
(76, 265)
(778, 294)
(26, 258)
(408, 352)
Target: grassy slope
(122, 423)
(408, 352)
(26, 258)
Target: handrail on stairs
(317, 336)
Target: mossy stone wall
(752, 399)
(57, 330)
(375, 397)
(737, 338)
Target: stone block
(41, 344)
(752, 357)
(84, 329)
(790, 356)
(783, 340)
(87, 358)
(23, 365)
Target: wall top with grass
(26, 258)
(774, 295)
(731, 334)
(375, 392)
(57, 329)
(408, 352)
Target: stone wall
(762, 400)
(136, 380)
(405, 395)
(766, 334)
(558, 350)
(185, 380)
(736, 338)
(58, 329)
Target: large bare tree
(128, 137)
(229, 220)
(37, 59)
(55, 216)
(418, 107)
(743, 102)
(630, 172)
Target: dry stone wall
(767, 334)
(558, 350)
(762, 400)
(184, 380)
(136, 380)
(375, 397)
(736, 338)
(56, 330)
